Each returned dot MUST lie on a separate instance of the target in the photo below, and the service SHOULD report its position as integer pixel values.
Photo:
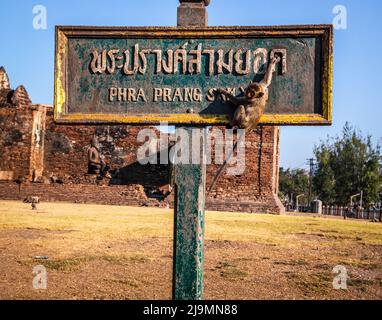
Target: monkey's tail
(220, 171)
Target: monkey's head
(254, 91)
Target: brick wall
(255, 190)
(54, 157)
(16, 127)
(15, 142)
(66, 155)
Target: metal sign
(166, 74)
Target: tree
(293, 182)
(346, 165)
(323, 178)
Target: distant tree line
(345, 165)
(293, 182)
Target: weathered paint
(327, 77)
(59, 91)
(193, 119)
(190, 185)
(293, 98)
(189, 228)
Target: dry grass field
(112, 252)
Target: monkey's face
(254, 91)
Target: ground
(115, 252)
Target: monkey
(249, 109)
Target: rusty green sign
(166, 74)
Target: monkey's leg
(240, 117)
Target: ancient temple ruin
(41, 158)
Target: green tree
(347, 164)
(293, 182)
(323, 179)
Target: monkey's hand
(271, 68)
(275, 60)
(221, 92)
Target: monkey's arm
(235, 100)
(269, 74)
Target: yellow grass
(132, 222)
(75, 236)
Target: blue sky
(28, 54)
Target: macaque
(249, 109)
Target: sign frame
(63, 33)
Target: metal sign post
(190, 193)
(151, 75)
(190, 190)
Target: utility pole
(311, 168)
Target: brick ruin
(41, 158)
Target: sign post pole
(190, 187)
